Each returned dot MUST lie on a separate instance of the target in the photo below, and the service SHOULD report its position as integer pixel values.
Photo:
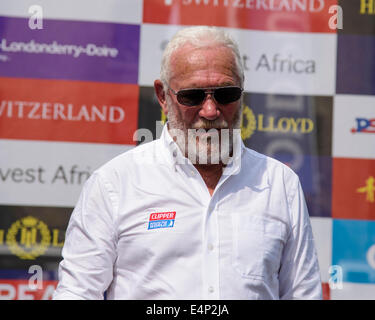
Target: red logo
(161, 220)
(162, 216)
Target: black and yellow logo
(248, 123)
(367, 7)
(29, 238)
(279, 125)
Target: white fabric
(251, 240)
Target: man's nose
(209, 109)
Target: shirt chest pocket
(257, 246)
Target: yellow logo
(28, 238)
(248, 123)
(367, 7)
(369, 189)
(262, 123)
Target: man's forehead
(189, 59)
(189, 54)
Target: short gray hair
(199, 37)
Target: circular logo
(248, 123)
(28, 238)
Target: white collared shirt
(146, 227)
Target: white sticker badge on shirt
(161, 220)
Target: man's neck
(211, 174)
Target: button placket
(210, 255)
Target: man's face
(203, 68)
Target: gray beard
(207, 142)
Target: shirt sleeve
(299, 276)
(89, 251)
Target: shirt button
(211, 289)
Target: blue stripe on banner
(353, 249)
(24, 274)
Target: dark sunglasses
(195, 97)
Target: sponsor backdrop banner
(246, 14)
(274, 62)
(84, 51)
(76, 89)
(355, 127)
(60, 110)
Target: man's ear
(161, 95)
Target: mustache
(210, 124)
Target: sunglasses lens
(227, 95)
(194, 97)
(191, 97)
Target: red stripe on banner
(59, 110)
(326, 291)
(26, 290)
(271, 15)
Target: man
(194, 214)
